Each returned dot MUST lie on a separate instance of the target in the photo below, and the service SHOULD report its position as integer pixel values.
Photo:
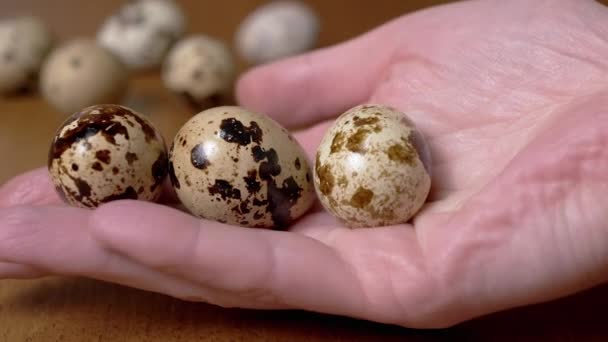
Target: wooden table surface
(61, 309)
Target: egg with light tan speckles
(242, 168)
(372, 167)
(105, 153)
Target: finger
(39, 241)
(18, 271)
(285, 268)
(311, 137)
(36, 188)
(305, 89)
(33, 188)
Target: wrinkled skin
(513, 99)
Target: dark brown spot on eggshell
(280, 201)
(74, 167)
(259, 203)
(115, 170)
(233, 131)
(258, 153)
(129, 193)
(297, 164)
(172, 177)
(271, 167)
(131, 157)
(9, 56)
(88, 125)
(225, 190)
(198, 157)
(97, 166)
(75, 62)
(84, 189)
(159, 170)
(197, 75)
(103, 156)
(251, 182)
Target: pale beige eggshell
(105, 153)
(24, 43)
(234, 166)
(79, 74)
(201, 69)
(372, 167)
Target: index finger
(303, 90)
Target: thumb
(306, 89)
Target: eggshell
(238, 167)
(201, 70)
(105, 153)
(142, 32)
(372, 167)
(24, 43)
(79, 74)
(276, 30)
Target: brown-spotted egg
(234, 166)
(201, 69)
(372, 167)
(107, 152)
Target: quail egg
(142, 32)
(24, 43)
(276, 30)
(105, 153)
(81, 74)
(373, 167)
(201, 69)
(238, 167)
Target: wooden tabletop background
(62, 309)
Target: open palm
(512, 99)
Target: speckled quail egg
(238, 167)
(79, 74)
(276, 30)
(373, 167)
(142, 32)
(24, 43)
(201, 69)
(105, 153)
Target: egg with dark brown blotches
(105, 153)
(372, 167)
(238, 167)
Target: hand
(513, 100)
